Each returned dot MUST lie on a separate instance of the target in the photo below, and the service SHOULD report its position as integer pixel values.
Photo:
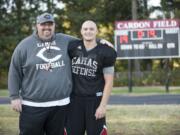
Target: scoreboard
(147, 39)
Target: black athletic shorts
(81, 117)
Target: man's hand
(16, 105)
(100, 112)
(103, 41)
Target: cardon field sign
(146, 39)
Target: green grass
(121, 120)
(8, 121)
(4, 93)
(144, 120)
(145, 90)
(124, 90)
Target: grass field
(124, 90)
(144, 120)
(150, 90)
(121, 120)
(3, 93)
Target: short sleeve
(71, 47)
(109, 57)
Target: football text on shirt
(55, 61)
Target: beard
(46, 34)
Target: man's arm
(14, 81)
(101, 110)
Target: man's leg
(76, 119)
(94, 127)
(56, 120)
(97, 127)
(32, 120)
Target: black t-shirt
(87, 67)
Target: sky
(156, 12)
(154, 3)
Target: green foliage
(150, 78)
(17, 21)
(104, 12)
(171, 5)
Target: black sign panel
(147, 39)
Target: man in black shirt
(92, 72)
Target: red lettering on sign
(151, 33)
(140, 34)
(124, 39)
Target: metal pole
(134, 17)
(130, 75)
(168, 74)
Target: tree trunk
(134, 17)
